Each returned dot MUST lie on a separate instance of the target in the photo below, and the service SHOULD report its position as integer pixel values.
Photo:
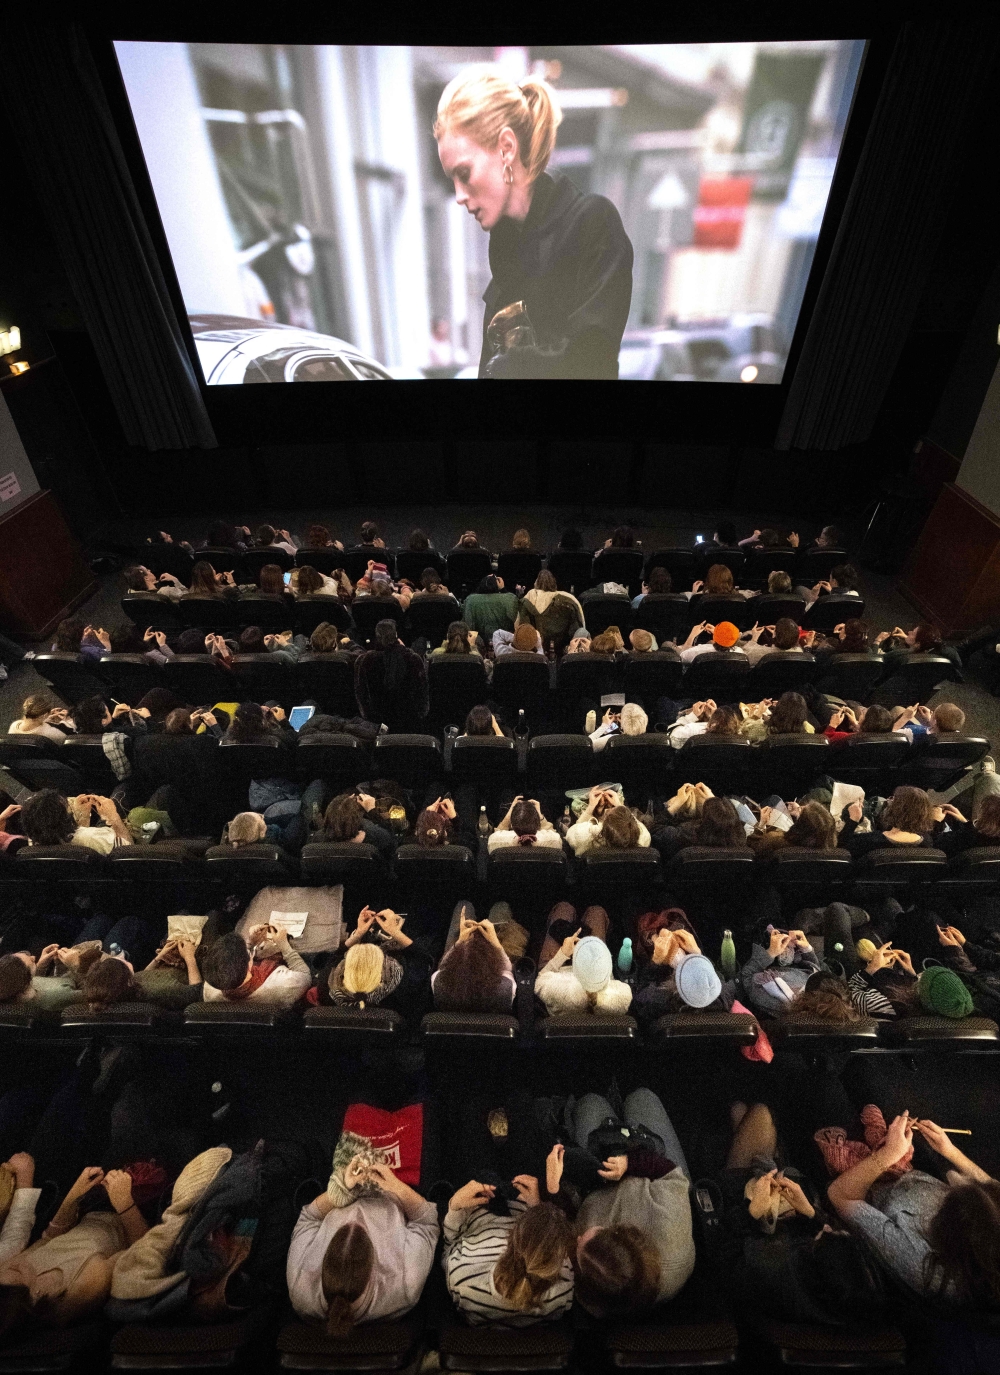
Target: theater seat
(124, 1020)
(40, 763)
(655, 1342)
(586, 1026)
(340, 760)
(804, 1346)
(542, 1346)
(253, 866)
(789, 764)
(494, 1026)
(329, 862)
(890, 868)
(975, 869)
(527, 874)
(455, 683)
(940, 1033)
(369, 1346)
(414, 761)
(605, 609)
(485, 761)
(719, 761)
(443, 870)
(559, 762)
(708, 1024)
(851, 677)
(223, 1019)
(23, 1021)
(339, 1023)
(187, 1347)
(59, 863)
(642, 763)
(648, 677)
(52, 1349)
(329, 679)
(804, 1034)
(606, 873)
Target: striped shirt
(474, 1240)
(867, 999)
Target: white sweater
(561, 991)
(18, 1223)
(474, 1240)
(548, 838)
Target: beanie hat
(696, 981)
(725, 634)
(866, 949)
(943, 992)
(592, 964)
(525, 639)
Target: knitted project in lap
(347, 1148)
(840, 1155)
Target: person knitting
(587, 984)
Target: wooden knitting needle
(957, 1131)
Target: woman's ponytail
(539, 1245)
(544, 118)
(339, 1316)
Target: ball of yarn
(865, 949)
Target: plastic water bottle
(625, 956)
(521, 729)
(727, 956)
(565, 821)
(483, 826)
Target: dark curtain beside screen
(891, 226)
(58, 114)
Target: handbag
(761, 1049)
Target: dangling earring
(508, 174)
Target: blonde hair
(481, 104)
(247, 828)
(363, 965)
(633, 719)
(537, 1248)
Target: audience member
(524, 640)
(233, 972)
(554, 614)
(475, 972)
(391, 682)
(524, 825)
(41, 715)
(490, 608)
(606, 822)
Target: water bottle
(483, 826)
(565, 821)
(625, 956)
(149, 830)
(451, 732)
(521, 729)
(727, 957)
(590, 724)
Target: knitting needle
(957, 1131)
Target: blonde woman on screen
(559, 296)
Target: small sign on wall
(9, 487)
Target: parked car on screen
(743, 348)
(232, 349)
(655, 355)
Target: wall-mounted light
(18, 368)
(10, 340)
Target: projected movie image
(635, 212)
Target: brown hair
(469, 978)
(324, 639)
(825, 996)
(606, 642)
(619, 829)
(724, 721)
(525, 639)
(317, 537)
(270, 580)
(15, 978)
(537, 1247)
(524, 819)
(457, 639)
(36, 706)
(521, 540)
(909, 809)
(788, 716)
(949, 717)
(719, 580)
(618, 1271)
(987, 818)
(110, 981)
(432, 829)
(786, 634)
(964, 1240)
(855, 639)
(178, 721)
(659, 581)
(343, 818)
(926, 639)
(479, 721)
(347, 1270)
(204, 580)
(546, 581)
(307, 580)
(481, 104)
(876, 721)
(418, 542)
(720, 824)
(813, 829)
(68, 635)
(778, 581)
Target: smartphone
(288, 579)
(298, 716)
(699, 539)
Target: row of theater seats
(382, 1029)
(694, 1331)
(666, 616)
(531, 876)
(646, 765)
(574, 570)
(519, 682)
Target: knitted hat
(696, 981)
(866, 949)
(725, 634)
(592, 964)
(943, 992)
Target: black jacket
(570, 261)
(391, 687)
